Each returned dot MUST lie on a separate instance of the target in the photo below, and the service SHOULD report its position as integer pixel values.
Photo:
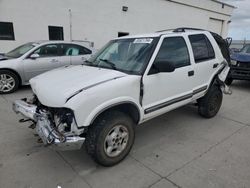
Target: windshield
(19, 51)
(126, 55)
(246, 49)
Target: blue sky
(240, 25)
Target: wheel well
(16, 73)
(127, 108)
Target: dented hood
(55, 87)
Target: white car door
(164, 91)
(205, 64)
(78, 54)
(47, 57)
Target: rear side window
(202, 48)
(74, 50)
(174, 50)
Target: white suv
(131, 80)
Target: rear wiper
(109, 63)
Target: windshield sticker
(143, 41)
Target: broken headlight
(65, 121)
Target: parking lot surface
(178, 149)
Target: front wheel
(110, 138)
(209, 105)
(9, 82)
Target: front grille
(243, 64)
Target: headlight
(64, 120)
(233, 62)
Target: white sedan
(18, 66)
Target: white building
(99, 21)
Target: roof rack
(181, 29)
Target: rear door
(76, 53)
(204, 61)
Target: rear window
(202, 48)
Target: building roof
(223, 3)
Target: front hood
(242, 57)
(55, 87)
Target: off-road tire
(209, 105)
(95, 138)
(15, 78)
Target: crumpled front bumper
(45, 129)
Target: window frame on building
(60, 34)
(10, 28)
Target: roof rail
(165, 30)
(183, 29)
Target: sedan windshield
(19, 51)
(125, 55)
(246, 49)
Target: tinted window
(73, 50)
(174, 50)
(6, 31)
(202, 48)
(49, 50)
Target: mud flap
(221, 80)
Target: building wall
(100, 21)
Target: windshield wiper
(109, 63)
(87, 62)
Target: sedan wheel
(8, 82)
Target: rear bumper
(46, 129)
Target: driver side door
(164, 91)
(47, 59)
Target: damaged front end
(56, 127)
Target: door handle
(84, 58)
(54, 61)
(215, 65)
(191, 73)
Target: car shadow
(241, 85)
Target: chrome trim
(45, 128)
(27, 110)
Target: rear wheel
(209, 105)
(110, 138)
(9, 82)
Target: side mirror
(164, 66)
(34, 56)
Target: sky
(240, 25)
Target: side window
(49, 50)
(202, 48)
(84, 51)
(74, 50)
(174, 50)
